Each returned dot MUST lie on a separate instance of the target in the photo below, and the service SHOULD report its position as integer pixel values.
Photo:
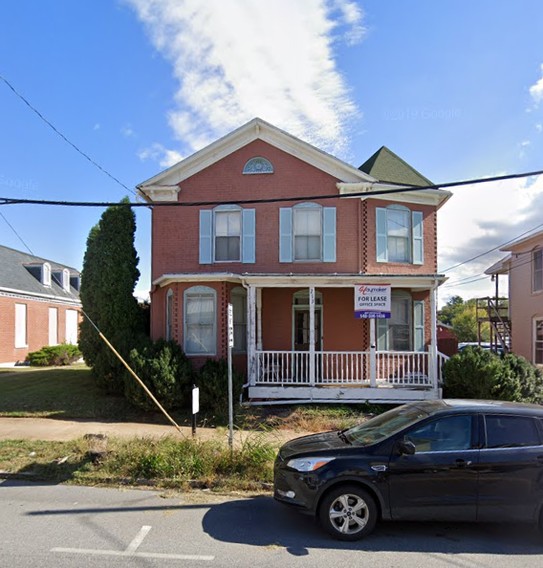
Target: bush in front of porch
(477, 373)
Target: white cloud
(539, 127)
(127, 131)
(160, 154)
(478, 218)
(244, 58)
(96, 126)
(536, 90)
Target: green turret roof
(385, 166)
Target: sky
(454, 87)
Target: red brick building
(290, 266)
(39, 304)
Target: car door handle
(462, 463)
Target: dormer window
(258, 165)
(66, 280)
(46, 274)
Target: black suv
(447, 460)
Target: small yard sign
(372, 301)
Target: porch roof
(279, 280)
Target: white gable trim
(256, 129)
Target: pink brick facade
(278, 308)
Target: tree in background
(109, 276)
(462, 316)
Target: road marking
(133, 546)
(131, 550)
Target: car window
(443, 434)
(511, 431)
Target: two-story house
(39, 304)
(284, 232)
(523, 268)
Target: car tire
(348, 512)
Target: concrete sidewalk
(50, 429)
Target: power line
(19, 236)
(57, 131)
(373, 193)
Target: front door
(301, 329)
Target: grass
(165, 462)
(59, 392)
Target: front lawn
(59, 392)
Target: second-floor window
(537, 270)
(307, 233)
(399, 235)
(227, 234)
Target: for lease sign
(372, 300)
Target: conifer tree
(109, 276)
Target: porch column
(433, 358)
(259, 319)
(312, 335)
(373, 354)
(251, 339)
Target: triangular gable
(256, 129)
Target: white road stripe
(132, 554)
(133, 546)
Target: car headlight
(308, 464)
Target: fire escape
(495, 312)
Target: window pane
(200, 323)
(538, 342)
(398, 232)
(227, 248)
(307, 248)
(399, 335)
(307, 222)
(442, 435)
(227, 223)
(511, 431)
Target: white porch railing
(392, 368)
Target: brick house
(289, 268)
(524, 269)
(39, 304)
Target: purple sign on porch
(371, 315)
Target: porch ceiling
(422, 281)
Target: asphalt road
(64, 526)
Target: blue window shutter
(418, 238)
(381, 326)
(418, 325)
(206, 236)
(329, 234)
(285, 234)
(381, 244)
(249, 235)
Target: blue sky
(455, 87)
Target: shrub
(479, 373)
(213, 384)
(54, 355)
(165, 370)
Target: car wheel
(348, 513)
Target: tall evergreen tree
(109, 276)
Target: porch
(347, 376)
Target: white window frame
(415, 235)
(66, 279)
(53, 326)
(46, 274)
(227, 211)
(298, 210)
(21, 326)
(384, 325)
(537, 270)
(168, 333)
(198, 292)
(538, 343)
(71, 326)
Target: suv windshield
(385, 425)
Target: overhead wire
(16, 233)
(63, 136)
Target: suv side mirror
(406, 447)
